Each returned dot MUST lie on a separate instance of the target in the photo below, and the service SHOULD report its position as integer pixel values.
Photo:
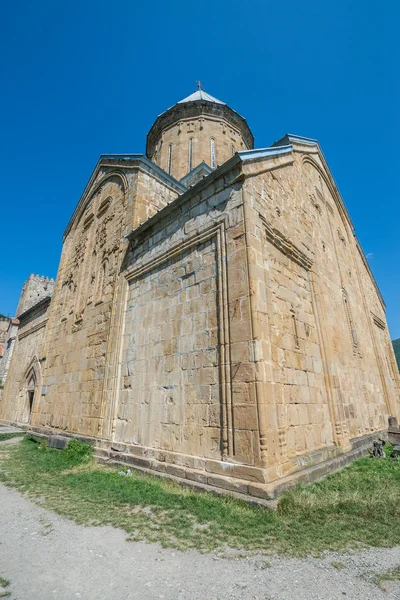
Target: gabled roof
(196, 174)
(200, 95)
(122, 160)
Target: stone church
(214, 317)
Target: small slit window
(169, 159)
(233, 150)
(213, 165)
(190, 154)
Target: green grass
(8, 436)
(360, 506)
(3, 584)
(382, 578)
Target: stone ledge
(193, 484)
(249, 490)
(45, 432)
(361, 445)
(185, 461)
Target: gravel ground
(45, 556)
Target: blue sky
(80, 79)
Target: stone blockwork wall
(170, 396)
(34, 289)
(25, 373)
(322, 383)
(4, 321)
(193, 136)
(75, 353)
(186, 378)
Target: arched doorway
(29, 390)
(30, 397)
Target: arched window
(169, 159)
(213, 164)
(190, 154)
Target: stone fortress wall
(25, 372)
(34, 289)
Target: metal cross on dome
(198, 83)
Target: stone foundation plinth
(219, 476)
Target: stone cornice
(24, 334)
(41, 304)
(286, 246)
(193, 109)
(379, 322)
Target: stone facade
(4, 324)
(230, 334)
(34, 290)
(4, 321)
(8, 349)
(24, 379)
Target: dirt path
(45, 556)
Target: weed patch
(381, 579)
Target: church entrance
(28, 394)
(30, 400)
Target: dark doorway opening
(31, 393)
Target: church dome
(197, 129)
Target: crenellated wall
(34, 289)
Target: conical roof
(200, 95)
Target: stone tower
(197, 129)
(34, 289)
